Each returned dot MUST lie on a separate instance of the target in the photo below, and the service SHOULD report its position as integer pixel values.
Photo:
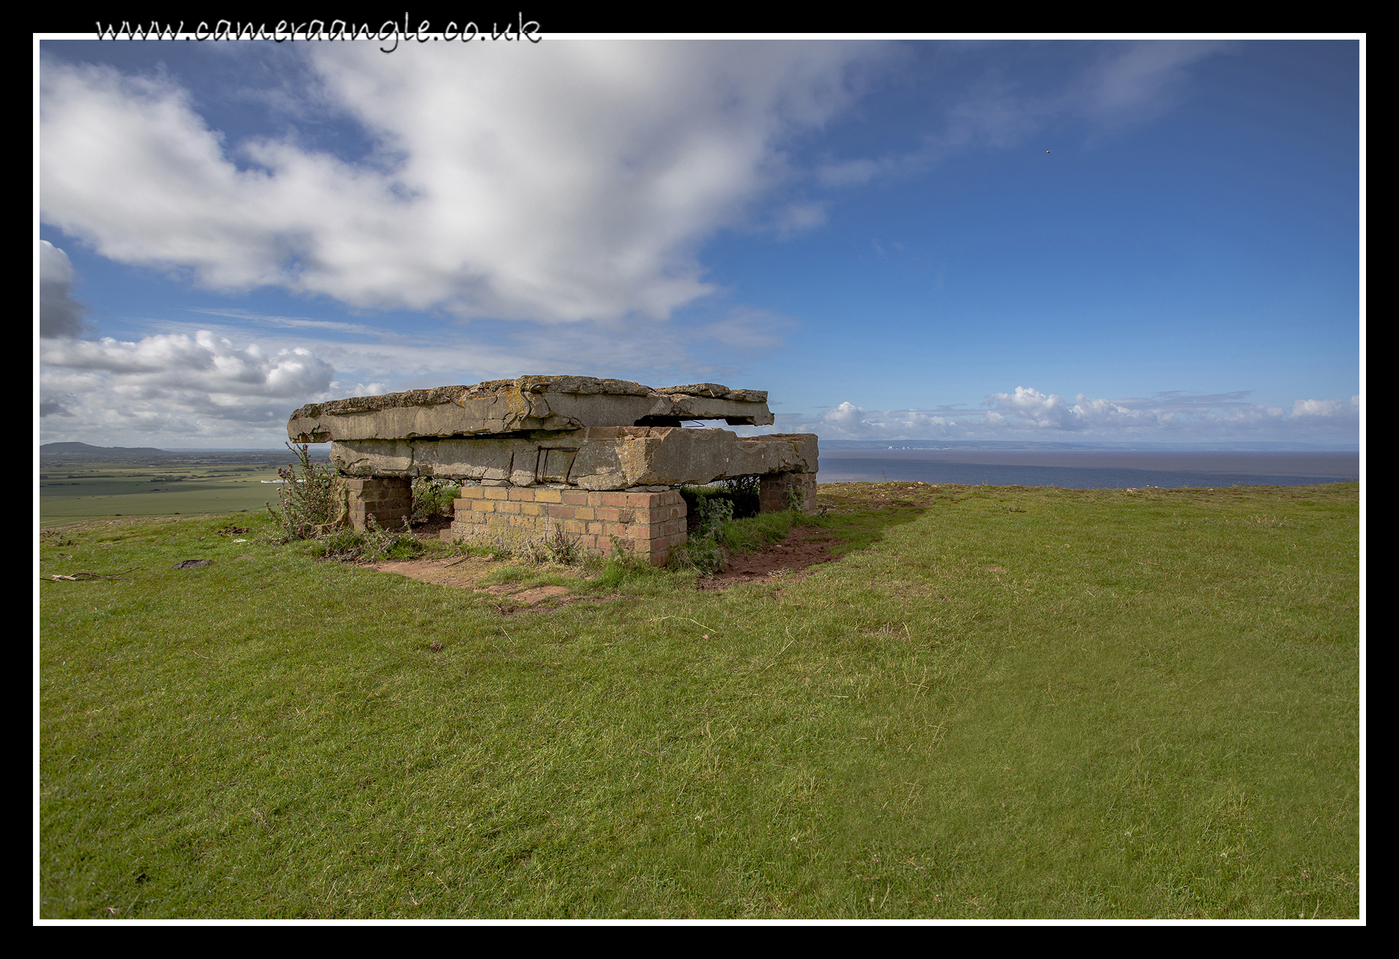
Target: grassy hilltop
(995, 703)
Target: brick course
(590, 518)
(649, 524)
(389, 499)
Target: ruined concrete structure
(595, 459)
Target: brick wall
(387, 498)
(775, 492)
(649, 524)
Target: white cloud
(180, 388)
(849, 420)
(1029, 406)
(1026, 414)
(1328, 409)
(60, 313)
(573, 183)
(1143, 79)
(202, 361)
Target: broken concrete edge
(558, 403)
(610, 458)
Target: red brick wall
(775, 492)
(387, 498)
(649, 524)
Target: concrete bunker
(595, 459)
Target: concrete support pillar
(389, 499)
(777, 491)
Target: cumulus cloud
(1028, 414)
(182, 388)
(60, 313)
(849, 419)
(507, 183)
(1326, 409)
(1040, 410)
(202, 361)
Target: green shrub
(743, 492)
(433, 497)
(373, 544)
(556, 547)
(313, 500)
(702, 553)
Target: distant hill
(87, 453)
(54, 454)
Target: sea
(1089, 469)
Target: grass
(82, 492)
(998, 703)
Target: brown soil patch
(804, 547)
(467, 573)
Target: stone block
(605, 459)
(528, 403)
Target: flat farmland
(73, 493)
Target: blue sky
(1144, 240)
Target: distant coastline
(1089, 468)
(1027, 445)
(1067, 465)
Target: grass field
(997, 703)
(83, 491)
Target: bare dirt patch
(793, 558)
(466, 572)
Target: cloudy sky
(1051, 240)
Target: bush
(433, 497)
(741, 496)
(372, 545)
(745, 494)
(712, 510)
(313, 501)
(556, 547)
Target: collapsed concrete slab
(596, 458)
(525, 404)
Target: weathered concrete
(594, 460)
(597, 458)
(528, 403)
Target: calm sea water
(1090, 469)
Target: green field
(998, 703)
(75, 492)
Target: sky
(1049, 240)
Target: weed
(556, 547)
(313, 499)
(371, 545)
(701, 551)
(433, 497)
(796, 498)
(713, 514)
